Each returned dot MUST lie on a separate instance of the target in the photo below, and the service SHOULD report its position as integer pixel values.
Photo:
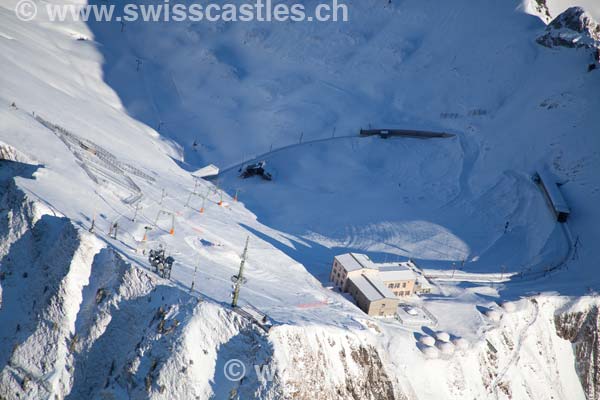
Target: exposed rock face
(583, 330)
(573, 28)
(542, 8)
(9, 153)
(329, 366)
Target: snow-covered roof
(204, 172)
(423, 282)
(372, 288)
(354, 262)
(550, 185)
(396, 273)
(387, 272)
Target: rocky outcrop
(541, 8)
(573, 28)
(9, 153)
(582, 328)
(330, 364)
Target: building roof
(553, 192)
(423, 282)
(354, 262)
(372, 288)
(208, 171)
(396, 273)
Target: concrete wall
(383, 307)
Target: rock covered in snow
(442, 336)
(508, 306)
(430, 352)
(572, 28)
(427, 340)
(494, 315)
(446, 348)
(461, 343)
(9, 153)
(541, 9)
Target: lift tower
(240, 276)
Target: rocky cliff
(582, 328)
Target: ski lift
(257, 169)
(234, 279)
(162, 264)
(161, 212)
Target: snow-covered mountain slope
(110, 330)
(420, 65)
(83, 317)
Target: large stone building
(350, 264)
(376, 288)
(372, 296)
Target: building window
(403, 284)
(391, 286)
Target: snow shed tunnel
(553, 195)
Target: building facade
(376, 288)
(372, 296)
(348, 265)
(399, 280)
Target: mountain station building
(376, 288)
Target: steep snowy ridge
(99, 326)
(44, 266)
(190, 369)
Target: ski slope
(340, 80)
(469, 68)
